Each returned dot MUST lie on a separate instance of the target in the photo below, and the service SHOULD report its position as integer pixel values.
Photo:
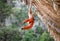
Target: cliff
(49, 13)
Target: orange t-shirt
(31, 22)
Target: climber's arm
(30, 14)
(26, 20)
(29, 26)
(30, 20)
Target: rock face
(49, 13)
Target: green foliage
(13, 34)
(39, 30)
(16, 10)
(45, 37)
(4, 10)
(29, 36)
(20, 14)
(3, 1)
(9, 34)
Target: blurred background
(12, 14)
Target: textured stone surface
(49, 13)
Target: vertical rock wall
(49, 13)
